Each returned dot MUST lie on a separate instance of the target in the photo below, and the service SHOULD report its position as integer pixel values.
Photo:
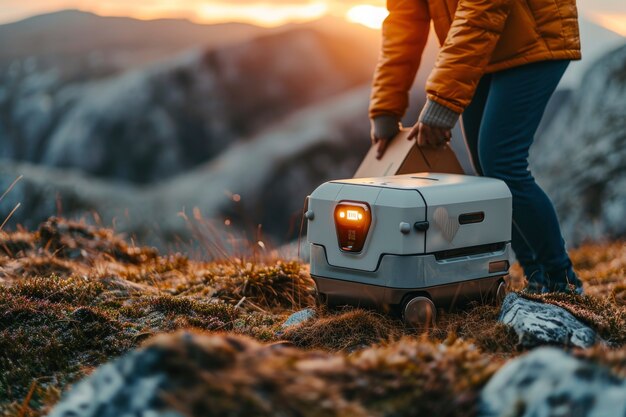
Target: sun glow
(264, 14)
(367, 15)
(609, 13)
(615, 21)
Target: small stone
(299, 317)
(541, 324)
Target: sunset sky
(609, 13)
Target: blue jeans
(500, 124)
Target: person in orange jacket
(499, 63)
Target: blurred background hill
(140, 120)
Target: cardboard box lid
(403, 157)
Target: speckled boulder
(548, 382)
(544, 324)
(130, 386)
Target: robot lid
(439, 188)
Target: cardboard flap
(403, 157)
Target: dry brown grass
(73, 296)
(347, 330)
(77, 296)
(479, 324)
(239, 377)
(601, 266)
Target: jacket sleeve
(467, 50)
(405, 32)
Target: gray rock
(153, 381)
(129, 386)
(538, 323)
(548, 382)
(299, 317)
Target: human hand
(384, 129)
(426, 135)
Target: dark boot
(537, 282)
(565, 281)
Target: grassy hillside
(73, 297)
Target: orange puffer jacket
(477, 37)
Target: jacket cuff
(385, 126)
(435, 115)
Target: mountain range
(145, 123)
(142, 120)
(72, 33)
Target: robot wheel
(419, 311)
(502, 290)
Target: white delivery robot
(410, 242)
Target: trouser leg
(515, 104)
(471, 121)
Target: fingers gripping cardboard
(403, 157)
